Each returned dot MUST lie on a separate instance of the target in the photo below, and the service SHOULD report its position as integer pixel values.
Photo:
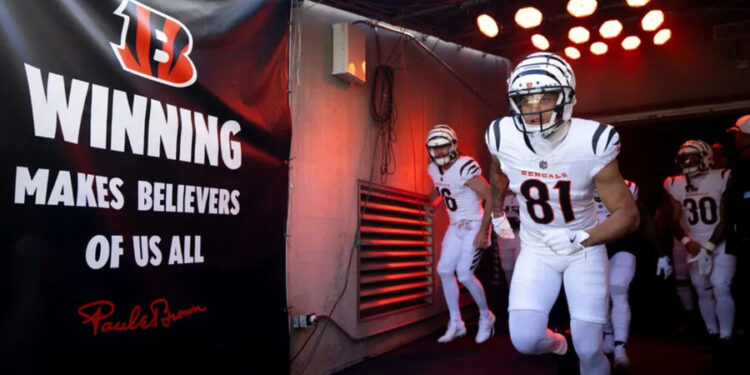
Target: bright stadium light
(487, 25)
(572, 53)
(662, 36)
(610, 29)
(579, 35)
(528, 17)
(540, 42)
(652, 20)
(581, 8)
(630, 43)
(637, 3)
(598, 48)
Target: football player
(509, 248)
(698, 196)
(459, 184)
(553, 162)
(622, 260)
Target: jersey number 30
(704, 209)
(542, 200)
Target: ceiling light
(487, 25)
(598, 48)
(572, 53)
(630, 43)
(528, 17)
(610, 29)
(652, 20)
(637, 3)
(581, 8)
(540, 42)
(579, 35)
(662, 36)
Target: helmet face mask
(442, 145)
(694, 158)
(541, 73)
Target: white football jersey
(555, 190)
(461, 202)
(700, 202)
(510, 206)
(602, 213)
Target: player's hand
(429, 210)
(502, 227)
(482, 240)
(704, 262)
(564, 241)
(693, 248)
(663, 266)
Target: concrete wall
(333, 139)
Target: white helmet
(440, 136)
(537, 74)
(694, 157)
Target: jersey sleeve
(469, 168)
(726, 175)
(606, 145)
(492, 137)
(633, 189)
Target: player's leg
(587, 289)
(724, 266)
(533, 291)
(449, 256)
(509, 249)
(467, 262)
(706, 301)
(622, 270)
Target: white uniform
(621, 272)
(557, 191)
(700, 201)
(509, 248)
(465, 211)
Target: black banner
(144, 186)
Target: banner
(144, 186)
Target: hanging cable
(383, 112)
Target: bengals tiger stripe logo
(154, 46)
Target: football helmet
(539, 78)
(442, 144)
(694, 157)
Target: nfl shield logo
(543, 164)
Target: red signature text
(97, 314)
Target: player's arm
(617, 198)
(435, 200)
(648, 230)
(499, 185)
(678, 231)
(718, 235)
(482, 188)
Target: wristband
(708, 245)
(685, 240)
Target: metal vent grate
(395, 252)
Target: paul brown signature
(97, 313)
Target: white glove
(564, 241)
(502, 227)
(704, 262)
(662, 265)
